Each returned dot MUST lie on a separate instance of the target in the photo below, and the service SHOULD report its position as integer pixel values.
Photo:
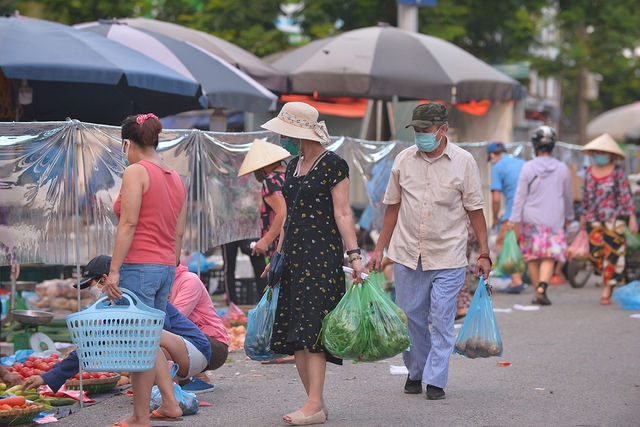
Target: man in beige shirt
(433, 188)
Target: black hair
(145, 134)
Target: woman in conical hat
(607, 207)
(265, 161)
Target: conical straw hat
(261, 154)
(604, 143)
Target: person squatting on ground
(505, 171)
(607, 208)
(151, 209)
(316, 190)
(191, 297)
(433, 190)
(181, 342)
(544, 204)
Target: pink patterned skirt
(537, 242)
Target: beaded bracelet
(354, 258)
(354, 251)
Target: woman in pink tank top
(151, 209)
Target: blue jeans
(151, 283)
(420, 293)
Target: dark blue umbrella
(84, 76)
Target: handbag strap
(295, 201)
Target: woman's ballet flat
(297, 418)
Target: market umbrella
(616, 122)
(224, 85)
(379, 62)
(81, 75)
(271, 78)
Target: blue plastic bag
(257, 342)
(187, 401)
(479, 335)
(628, 296)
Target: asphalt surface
(574, 363)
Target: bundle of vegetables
(15, 396)
(257, 344)
(365, 326)
(343, 333)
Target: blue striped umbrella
(224, 85)
(81, 75)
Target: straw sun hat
(299, 120)
(261, 154)
(604, 143)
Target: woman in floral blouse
(607, 207)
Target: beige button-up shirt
(434, 197)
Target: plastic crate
(247, 291)
(214, 281)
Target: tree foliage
(600, 35)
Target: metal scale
(30, 319)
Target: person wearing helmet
(544, 204)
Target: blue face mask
(601, 159)
(288, 145)
(426, 141)
(125, 152)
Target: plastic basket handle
(129, 295)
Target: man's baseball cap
(425, 115)
(495, 146)
(94, 270)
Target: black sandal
(541, 298)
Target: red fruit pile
(33, 366)
(93, 375)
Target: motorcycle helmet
(544, 138)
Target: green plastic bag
(342, 333)
(632, 241)
(511, 260)
(365, 326)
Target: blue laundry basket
(119, 338)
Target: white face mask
(95, 293)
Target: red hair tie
(142, 117)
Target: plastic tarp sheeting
(59, 180)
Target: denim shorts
(150, 282)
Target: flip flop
(119, 424)
(155, 416)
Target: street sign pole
(408, 17)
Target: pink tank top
(154, 238)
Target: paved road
(575, 363)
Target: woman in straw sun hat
(265, 161)
(316, 190)
(607, 207)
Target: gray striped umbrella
(224, 85)
(271, 78)
(383, 61)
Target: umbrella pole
(198, 201)
(77, 232)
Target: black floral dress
(313, 280)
